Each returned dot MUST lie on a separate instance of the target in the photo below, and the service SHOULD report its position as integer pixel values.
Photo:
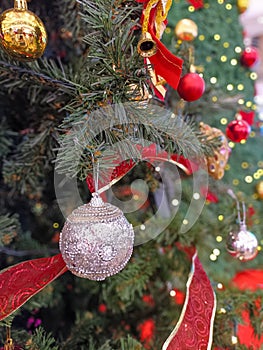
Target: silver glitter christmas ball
(97, 240)
(243, 244)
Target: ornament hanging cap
(95, 211)
(9, 341)
(20, 4)
(241, 221)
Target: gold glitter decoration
(97, 240)
(216, 163)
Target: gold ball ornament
(242, 5)
(186, 30)
(22, 33)
(259, 189)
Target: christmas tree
(149, 105)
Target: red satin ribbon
(20, 282)
(150, 154)
(165, 63)
(194, 329)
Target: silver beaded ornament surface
(243, 244)
(97, 240)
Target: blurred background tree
(91, 61)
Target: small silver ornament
(97, 240)
(243, 244)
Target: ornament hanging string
(241, 244)
(95, 164)
(242, 221)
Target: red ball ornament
(249, 56)
(191, 87)
(238, 130)
(102, 308)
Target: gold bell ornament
(217, 162)
(22, 33)
(186, 30)
(146, 46)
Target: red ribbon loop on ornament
(148, 153)
(20, 282)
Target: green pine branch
(73, 28)
(9, 226)
(41, 341)
(32, 160)
(116, 130)
(6, 138)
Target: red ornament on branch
(102, 308)
(238, 130)
(148, 299)
(147, 331)
(191, 87)
(249, 56)
(179, 296)
(198, 4)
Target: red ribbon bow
(165, 64)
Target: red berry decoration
(238, 130)
(191, 87)
(249, 56)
